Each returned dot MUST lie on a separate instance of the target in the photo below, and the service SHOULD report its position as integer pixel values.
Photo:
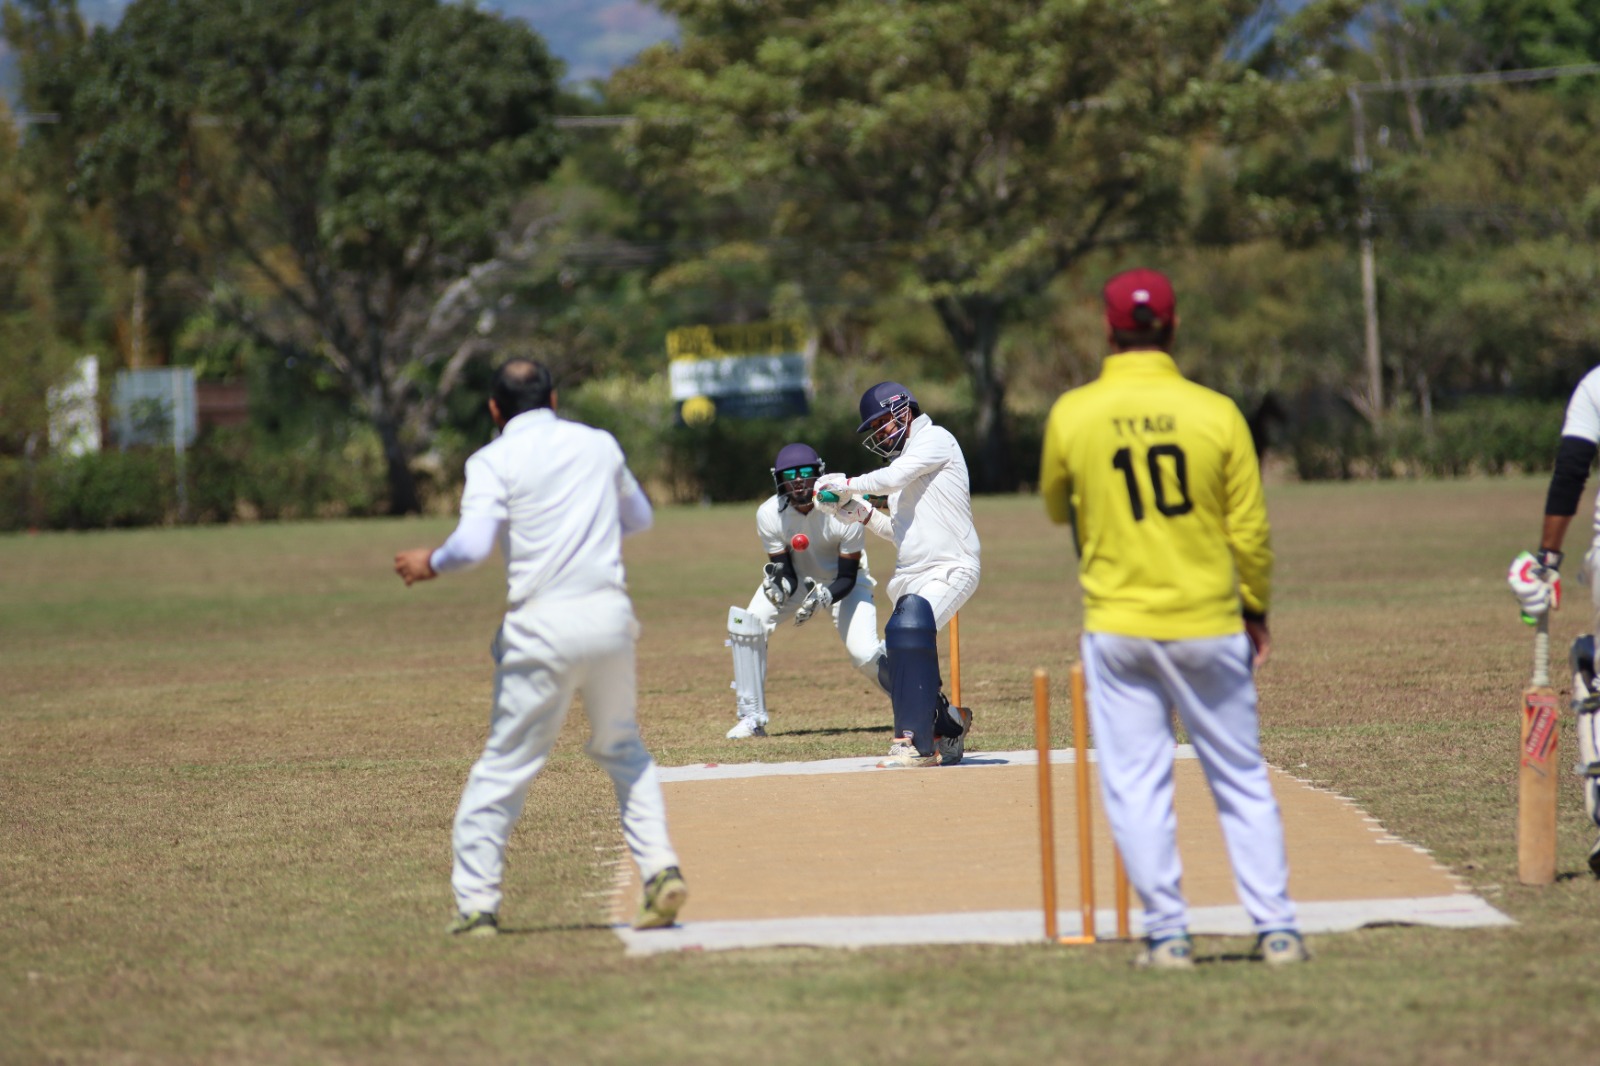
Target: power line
(1363, 166)
(1491, 77)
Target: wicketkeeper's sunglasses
(797, 473)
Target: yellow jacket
(1158, 477)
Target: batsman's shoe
(476, 923)
(952, 748)
(749, 726)
(1594, 859)
(904, 753)
(1281, 947)
(1168, 953)
(664, 896)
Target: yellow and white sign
(759, 370)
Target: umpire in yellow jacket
(1158, 477)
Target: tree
(32, 355)
(1528, 33)
(331, 177)
(52, 264)
(961, 154)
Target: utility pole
(1363, 167)
(1369, 261)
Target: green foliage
(242, 474)
(1477, 436)
(35, 352)
(958, 155)
(107, 490)
(231, 475)
(1481, 436)
(343, 168)
(1529, 33)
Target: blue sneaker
(1169, 953)
(1281, 947)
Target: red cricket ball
(799, 542)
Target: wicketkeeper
(815, 562)
(1535, 577)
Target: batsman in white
(557, 497)
(929, 520)
(815, 562)
(1535, 578)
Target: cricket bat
(1537, 770)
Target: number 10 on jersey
(1168, 468)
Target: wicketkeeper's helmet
(882, 419)
(795, 471)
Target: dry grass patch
(232, 756)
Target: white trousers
(546, 652)
(1132, 685)
(946, 589)
(854, 617)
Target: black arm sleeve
(1572, 470)
(848, 569)
(789, 577)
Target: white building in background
(74, 407)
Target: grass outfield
(231, 757)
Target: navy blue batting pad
(912, 640)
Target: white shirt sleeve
(925, 452)
(471, 543)
(1583, 410)
(635, 511)
(483, 516)
(769, 527)
(882, 525)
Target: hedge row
(229, 475)
(1477, 436)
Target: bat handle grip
(1541, 651)
(828, 496)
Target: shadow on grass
(835, 732)
(574, 927)
(1226, 957)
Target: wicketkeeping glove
(1536, 583)
(774, 585)
(818, 598)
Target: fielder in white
(557, 497)
(929, 498)
(1535, 577)
(816, 562)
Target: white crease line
(1022, 927)
(976, 760)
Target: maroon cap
(1133, 289)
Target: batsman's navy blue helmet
(795, 471)
(881, 408)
